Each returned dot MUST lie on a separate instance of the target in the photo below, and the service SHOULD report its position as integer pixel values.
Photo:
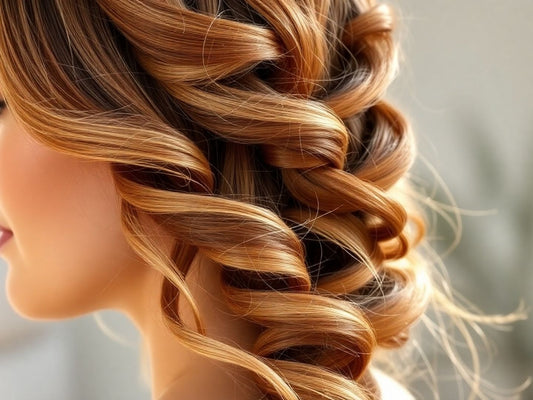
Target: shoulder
(390, 389)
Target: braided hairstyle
(255, 131)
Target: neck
(176, 371)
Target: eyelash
(2, 105)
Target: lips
(5, 235)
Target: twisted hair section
(256, 133)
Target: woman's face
(67, 254)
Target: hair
(256, 133)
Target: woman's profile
(227, 174)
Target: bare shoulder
(390, 389)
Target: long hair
(256, 133)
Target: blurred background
(466, 85)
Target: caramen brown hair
(256, 133)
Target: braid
(298, 93)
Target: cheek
(68, 249)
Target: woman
(227, 174)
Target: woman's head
(252, 132)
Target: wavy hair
(256, 133)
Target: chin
(38, 312)
(32, 305)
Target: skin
(68, 257)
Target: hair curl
(256, 133)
